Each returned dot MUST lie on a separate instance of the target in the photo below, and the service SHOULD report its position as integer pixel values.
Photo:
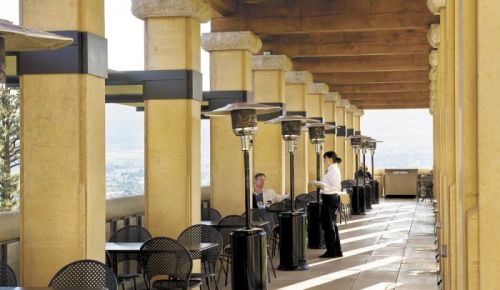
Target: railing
(119, 212)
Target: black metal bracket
(88, 54)
(341, 131)
(331, 131)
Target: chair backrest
(299, 205)
(7, 276)
(230, 224)
(129, 234)
(262, 215)
(203, 234)
(84, 274)
(164, 256)
(347, 185)
(210, 214)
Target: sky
(407, 134)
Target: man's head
(259, 180)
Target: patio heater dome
(291, 125)
(317, 132)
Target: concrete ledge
(237, 40)
(318, 89)
(298, 77)
(434, 35)
(433, 58)
(271, 62)
(332, 97)
(198, 9)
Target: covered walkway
(391, 247)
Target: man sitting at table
(264, 197)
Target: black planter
(249, 258)
(315, 236)
(293, 235)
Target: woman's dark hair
(332, 155)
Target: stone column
(349, 160)
(269, 146)
(297, 83)
(330, 113)
(62, 135)
(357, 121)
(488, 105)
(231, 76)
(172, 118)
(315, 99)
(342, 105)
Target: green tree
(9, 149)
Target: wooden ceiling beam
(381, 88)
(412, 62)
(393, 106)
(327, 7)
(346, 78)
(348, 44)
(326, 23)
(386, 96)
(223, 7)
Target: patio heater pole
(372, 145)
(293, 236)
(368, 190)
(314, 233)
(249, 245)
(358, 195)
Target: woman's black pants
(329, 224)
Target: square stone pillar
(349, 160)
(269, 146)
(342, 105)
(357, 121)
(172, 119)
(230, 74)
(297, 83)
(315, 100)
(62, 154)
(330, 117)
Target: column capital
(343, 103)
(332, 97)
(434, 35)
(433, 58)
(359, 112)
(298, 77)
(352, 108)
(271, 62)
(436, 5)
(235, 40)
(433, 86)
(318, 88)
(198, 9)
(433, 74)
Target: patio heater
(18, 38)
(368, 188)
(315, 236)
(249, 245)
(292, 223)
(358, 201)
(372, 145)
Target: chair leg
(272, 265)
(135, 284)
(123, 285)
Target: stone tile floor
(391, 247)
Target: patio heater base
(368, 196)
(293, 241)
(315, 236)
(249, 258)
(375, 196)
(358, 200)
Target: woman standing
(332, 186)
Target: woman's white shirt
(332, 179)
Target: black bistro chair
(259, 216)
(84, 274)
(7, 276)
(204, 234)
(128, 234)
(275, 209)
(226, 226)
(306, 198)
(210, 214)
(167, 264)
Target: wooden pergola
(375, 53)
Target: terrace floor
(391, 247)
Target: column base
(293, 241)
(315, 236)
(249, 258)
